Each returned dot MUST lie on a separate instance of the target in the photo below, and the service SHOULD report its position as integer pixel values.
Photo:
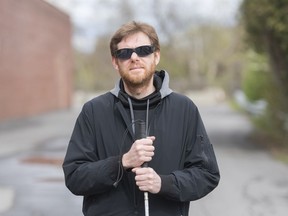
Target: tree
(267, 27)
(266, 24)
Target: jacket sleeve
(200, 174)
(85, 173)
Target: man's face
(136, 71)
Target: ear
(157, 57)
(115, 63)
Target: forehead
(134, 40)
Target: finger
(142, 170)
(134, 170)
(151, 138)
(146, 141)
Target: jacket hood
(164, 89)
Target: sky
(94, 18)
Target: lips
(136, 68)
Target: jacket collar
(141, 104)
(163, 89)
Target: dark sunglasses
(141, 51)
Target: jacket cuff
(115, 166)
(167, 184)
(117, 174)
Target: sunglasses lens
(141, 51)
(124, 53)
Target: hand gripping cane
(140, 134)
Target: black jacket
(184, 157)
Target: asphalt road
(252, 182)
(31, 179)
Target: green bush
(255, 78)
(254, 84)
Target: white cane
(141, 133)
(146, 203)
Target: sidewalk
(27, 134)
(24, 134)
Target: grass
(265, 138)
(274, 146)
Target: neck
(139, 92)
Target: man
(105, 156)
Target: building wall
(35, 58)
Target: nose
(134, 55)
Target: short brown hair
(131, 28)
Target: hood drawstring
(147, 117)
(132, 115)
